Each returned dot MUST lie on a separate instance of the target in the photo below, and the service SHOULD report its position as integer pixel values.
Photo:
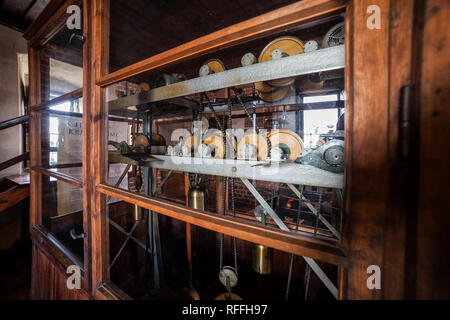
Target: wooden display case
(383, 68)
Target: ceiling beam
(12, 23)
(31, 5)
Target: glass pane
(61, 65)
(62, 213)
(172, 23)
(263, 277)
(61, 138)
(285, 133)
(180, 133)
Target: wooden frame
(263, 25)
(258, 27)
(96, 58)
(371, 174)
(43, 29)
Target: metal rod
(322, 276)
(125, 171)
(164, 181)
(307, 281)
(189, 253)
(139, 243)
(123, 245)
(291, 265)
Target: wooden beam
(12, 22)
(9, 163)
(59, 176)
(277, 239)
(263, 25)
(403, 38)
(52, 18)
(31, 5)
(35, 134)
(13, 196)
(433, 210)
(95, 208)
(367, 165)
(70, 96)
(14, 122)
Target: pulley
(210, 67)
(288, 142)
(143, 87)
(214, 142)
(200, 126)
(257, 141)
(277, 94)
(262, 215)
(167, 79)
(281, 47)
(311, 46)
(142, 141)
(217, 145)
(228, 278)
(248, 59)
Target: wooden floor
(15, 271)
(15, 252)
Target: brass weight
(196, 198)
(137, 213)
(262, 259)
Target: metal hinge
(77, 37)
(404, 122)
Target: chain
(214, 112)
(238, 96)
(319, 209)
(230, 126)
